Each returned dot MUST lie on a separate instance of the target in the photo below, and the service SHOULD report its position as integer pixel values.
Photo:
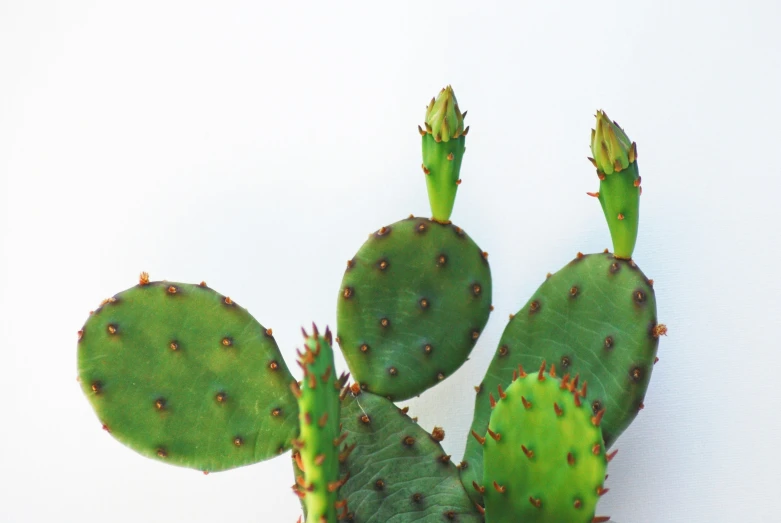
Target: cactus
(416, 296)
(544, 454)
(317, 446)
(182, 374)
(137, 351)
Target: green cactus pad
(397, 471)
(544, 456)
(317, 445)
(412, 303)
(184, 375)
(596, 317)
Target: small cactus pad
(443, 149)
(184, 375)
(317, 446)
(545, 460)
(596, 317)
(615, 157)
(398, 471)
(412, 305)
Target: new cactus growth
(545, 459)
(183, 374)
(416, 296)
(615, 158)
(317, 446)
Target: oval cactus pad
(182, 374)
(411, 307)
(596, 319)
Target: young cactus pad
(398, 471)
(615, 158)
(544, 456)
(411, 306)
(443, 150)
(317, 446)
(182, 374)
(596, 317)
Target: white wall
(255, 146)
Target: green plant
(183, 374)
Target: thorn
(458, 182)
(500, 489)
(502, 394)
(636, 183)
(536, 502)
(521, 373)
(529, 453)
(295, 389)
(345, 453)
(593, 194)
(450, 157)
(564, 382)
(602, 491)
(570, 459)
(328, 336)
(597, 419)
(579, 255)
(323, 420)
(438, 434)
(428, 127)
(465, 131)
(143, 278)
(526, 403)
(495, 435)
(583, 389)
(541, 373)
(593, 162)
(596, 449)
(421, 131)
(315, 332)
(492, 400)
(557, 410)
(552, 372)
(478, 488)
(477, 388)
(479, 439)
(600, 176)
(641, 406)
(425, 171)
(660, 330)
(612, 455)
(319, 459)
(620, 216)
(633, 152)
(600, 519)
(656, 359)
(326, 375)
(576, 397)
(338, 441)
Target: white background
(256, 145)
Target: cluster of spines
(578, 392)
(317, 449)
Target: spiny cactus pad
(317, 446)
(596, 317)
(398, 471)
(544, 456)
(182, 374)
(411, 306)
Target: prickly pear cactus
(416, 296)
(544, 455)
(183, 374)
(317, 446)
(398, 471)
